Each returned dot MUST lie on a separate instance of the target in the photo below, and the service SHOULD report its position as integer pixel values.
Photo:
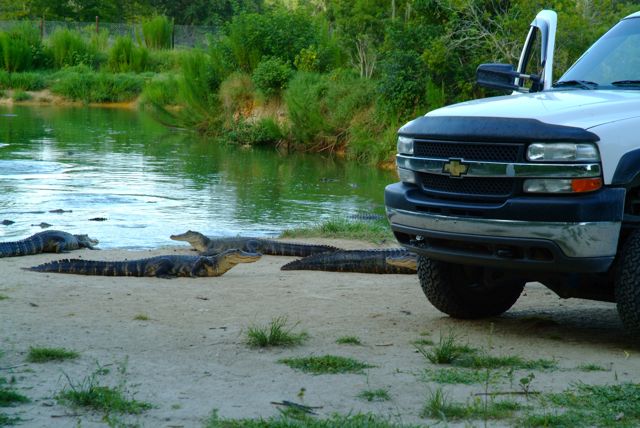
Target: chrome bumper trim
(500, 169)
(585, 239)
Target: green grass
(327, 364)
(439, 406)
(446, 351)
(276, 333)
(21, 96)
(375, 395)
(456, 376)
(372, 231)
(450, 351)
(348, 340)
(4, 297)
(591, 405)
(298, 420)
(83, 84)
(9, 397)
(103, 399)
(6, 420)
(43, 355)
(90, 394)
(592, 368)
(141, 317)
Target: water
(149, 183)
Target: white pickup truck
(540, 185)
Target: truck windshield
(612, 62)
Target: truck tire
(627, 284)
(465, 292)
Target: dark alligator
(49, 241)
(210, 246)
(363, 261)
(160, 266)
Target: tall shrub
(69, 48)
(157, 32)
(20, 48)
(125, 56)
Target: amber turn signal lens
(580, 185)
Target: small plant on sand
(9, 397)
(141, 317)
(327, 364)
(3, 297)
(348, 340)
(446, 351)
(379, 394)
(43, 355)
(91, 395)
(276, 333)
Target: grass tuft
(4, 297)
(141, 317)
(43, 355)
(276, 333)
(9, 397)
(446, 351)
(375, 395)
(327, 364)
(439, 406)
(91, 395)
(21, 96)
(348, 340)
(456, 376)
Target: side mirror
(497, 76)
(503, 76)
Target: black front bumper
(552, 234)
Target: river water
(146, 182)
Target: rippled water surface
(148, 182)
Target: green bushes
(124, 56)
(271, 76)
(27, 81)
(157, 32)
(69, 48)
(21, 49)
(322, 106)
(82, 84)
(403, 83)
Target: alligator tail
(94, 267)
(24, 247)
(362, 261)
(276, 248)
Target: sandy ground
(190, 357)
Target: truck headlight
(562, 185)
(405, 145)
(563, 152)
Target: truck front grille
(490, 152)
(493, 187)
(445, 186)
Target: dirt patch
(183, 341)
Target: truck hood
(580, 108)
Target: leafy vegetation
(439, 406)
(373, 231)
(349, 72)
(44, 355)
(327, 364)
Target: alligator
(49, 241)
(211, 246)
(363, 261)
(169, 266)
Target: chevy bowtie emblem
(455, 168)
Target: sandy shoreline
(190, 356)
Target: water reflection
(149, 183)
